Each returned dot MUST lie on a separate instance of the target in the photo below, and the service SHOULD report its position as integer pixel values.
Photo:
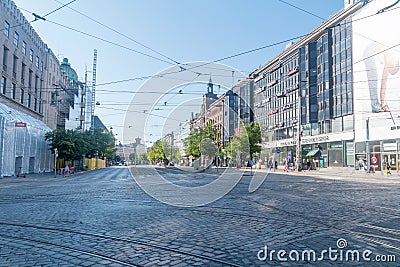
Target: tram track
(108, 237)
(80, 251)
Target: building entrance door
(392, 158)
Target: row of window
(24, 46)
(36, 103)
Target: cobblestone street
(103, 218)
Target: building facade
(376, 80)
(307, 90)
(198, 120)
(22, 91)
(77, 93)
(321, 93)
(22, 56)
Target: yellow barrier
(94, 163)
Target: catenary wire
(57, 9)
(301, 9)
(122, 34)
(204, 64)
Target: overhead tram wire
(37, 17)
(126, 36)
(57, 9)
(141, 112)
(122, 34)
(108, 41)
(201, 65)
(199, 93)
(180, 92)
(379, 12)
(301, 9)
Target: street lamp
(298, 141)
(55, 161)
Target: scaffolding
(23, 148)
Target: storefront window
(360, 148)
(335, 154)
(350, 160)
(374, 149)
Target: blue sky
(185, 31)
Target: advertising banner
(376, 71)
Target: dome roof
(68, 71)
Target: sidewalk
(335, 173)
(44, 176)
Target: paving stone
(284, 213)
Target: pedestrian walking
(286, 166)
(66, 170)
(308, 165)
(276, 165)
(388, 168)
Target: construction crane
(94, 88)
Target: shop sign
(20, 124)
(390, 147)
(374, 162)
(317, 139)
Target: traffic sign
(278, 151)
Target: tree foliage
(210, 131)
(143, 157)
(192, 145)
(156, 152)
(253, 132)
(73, 144)
(246, 144)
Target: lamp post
(298, 141)
(55, 161)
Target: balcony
(293, 71)
(271, 112)
(274, 68)
(260, 90)
(272, 83)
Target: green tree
(69, 143)
(143, 157)
(253, 133)
(156, 152)
(132, 157)
(117, 158)
(100, 143)
(209, 131)
(246, 144)
(73, 144)
(192, 144)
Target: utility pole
(172, 142)
(367, 145)
(298, 143)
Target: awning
(313, 153)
